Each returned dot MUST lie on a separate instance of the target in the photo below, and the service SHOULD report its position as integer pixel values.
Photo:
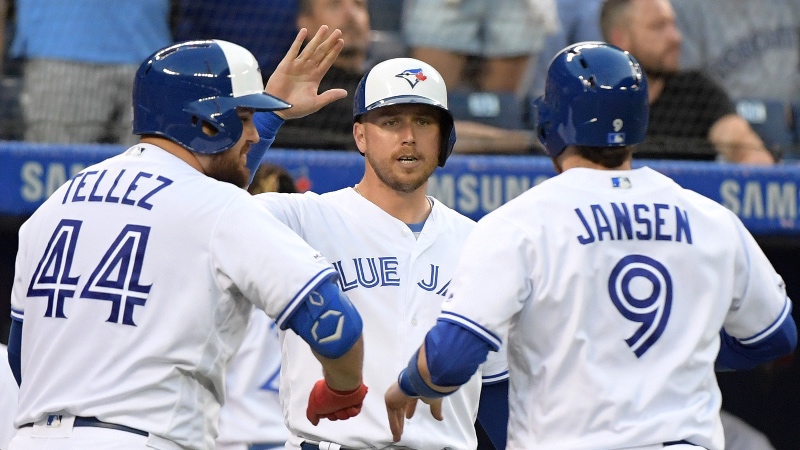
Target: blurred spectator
(332, 126)
(272, 178)
(506, 35)
(691, 117)
(80, 60)
(266, 28)
(752, 48)
(579, 21)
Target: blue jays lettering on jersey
(370, 272)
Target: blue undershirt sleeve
(267, 124)
(734, 355)
(453, 353)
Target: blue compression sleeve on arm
(734, 355)
(327, 320)
(453, 353)
(412, 384)
(493, 412)
(15, 349)
(267, 125)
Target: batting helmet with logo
(595, 95)
(183, 86)
(406, 80)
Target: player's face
(654, 37)
(401, 144)
(230, 166)
(350, 16)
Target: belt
(308, 445)
(95, 422)
(267, 446)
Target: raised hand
(297, 77)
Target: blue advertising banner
(765, 198)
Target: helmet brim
(259, 102)
(406, 99)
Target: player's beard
(663, 66)
(385, 172)
(356, 39)
(659, 72)
(228, 168)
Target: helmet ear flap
(541, 133)
(540, 119)
(210, 115)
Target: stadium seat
(772, 120)
(499, 109)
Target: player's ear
(358, 135)
(620, 37)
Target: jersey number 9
(641, 289)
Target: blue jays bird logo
(413, 76)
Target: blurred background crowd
(723, 74)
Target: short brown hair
(608, 157)
(304, 7)
(610, 15)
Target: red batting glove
(324, 402)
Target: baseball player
(394, 249)
(137, 278)
(251, 418)
(615, 289)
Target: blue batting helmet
(595, 95)
(406, 80)
(182, 86)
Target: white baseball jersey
(252, 410)
(611, 288)
(8, 399)
(136, 280)
(398, 283)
